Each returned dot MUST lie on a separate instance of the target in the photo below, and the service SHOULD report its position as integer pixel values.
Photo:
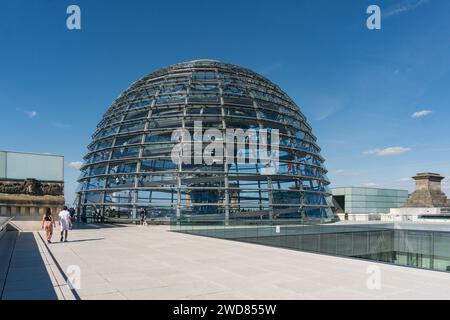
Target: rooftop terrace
(153, 263)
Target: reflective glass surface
(129, 163)
(17, 165)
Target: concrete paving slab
(154, 263)
(189, 266)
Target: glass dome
(129, 164)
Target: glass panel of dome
(267, 105)
(178, 79)
(245, 168)
(306, 171)
(203, 110)
(300, 135)
(202, 88)
(157, 165)
(113, 121)
(157, 150)
(261, 96)
(249, 184)
(293, 184)
(96, 183)
(230, 80)
(125, 152)
(158, 136)
(202, 167)
(146, 92)
(144, 196)
(286, 141)
(204, 75)
(282, 127)
(308, 137)
(231, 90)
(313, 198)
(238, 100)
(136, 126)
(122, 196)
(155, 180)
(126, 140)
(176, 89)
(234, 123)
(82, 186)
(306, 184)
(266, 114)
(92, 197)
(159, 123)
(97, 170)
(240, 112)
(207, 123)
(203, 98)
(302, 145)
(99, 156)
(162, 197)
(136, 115)
(207, 196)
(132, 94)
(123, 212)
(122, 167)
(170, 99)
(84, 173)
(167, 111)
(161, 212)
(103, 144)
(108, 132)
(120, 181)
(140, 104)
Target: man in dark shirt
(143, 216)
(72, 213)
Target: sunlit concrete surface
(153, 263)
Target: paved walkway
(153, 263)
(27, 271)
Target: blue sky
(358, 88)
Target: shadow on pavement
(26, 276)
(72, 241)
(84, 226)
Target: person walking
(47, 224)
(72, 214)
(65, 222)
(143, 216)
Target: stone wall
(428, 193)
(31, 187)
(26, 212)
(28, 199)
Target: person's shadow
(81, 240)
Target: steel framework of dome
(129, 166)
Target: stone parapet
(28, 207)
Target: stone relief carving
(32, 187)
